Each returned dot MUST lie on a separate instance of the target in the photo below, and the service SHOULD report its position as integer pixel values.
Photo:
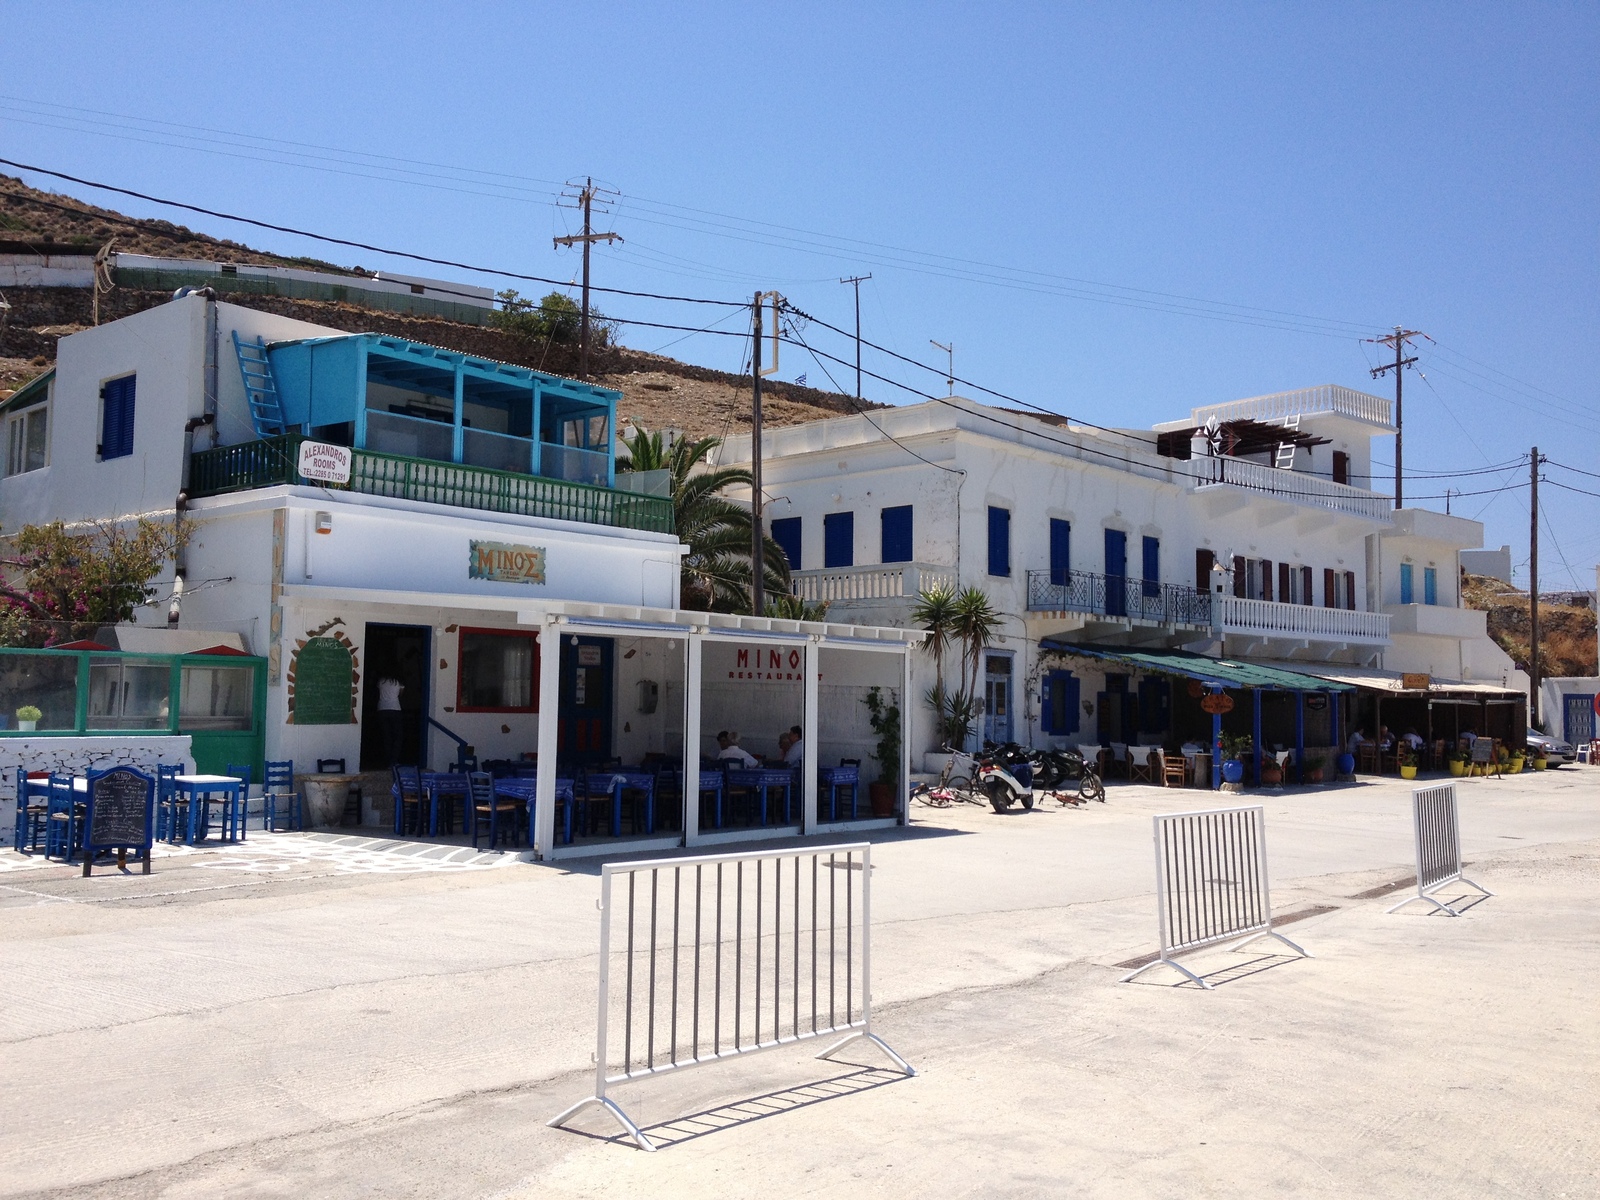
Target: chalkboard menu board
(121, 813)
(323, 677)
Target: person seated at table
(794, 754)
(1385, 738)
(1469, 737)
(728, 747)
(1412, 738)
(1357, 738)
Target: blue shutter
(1116, 573)
(1405, 583)
(786, 532)
(1059, 704)
(1152, 566)
(116, 428)
(839, 539)
(1060, 551)
(897, 534)
(1430, 585)
(999, 541)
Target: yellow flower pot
(1408, 772)
(1540, 764)
(1458, 769)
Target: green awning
(1215, 672)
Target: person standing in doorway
(390, 723)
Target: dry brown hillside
(1566, 633)
(657, 391)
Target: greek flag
(800, 381)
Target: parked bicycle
(955, 783)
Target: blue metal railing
(1117, 596)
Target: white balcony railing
(1296, 487)
(887, 581)
(1269, 618)
(1306, 402)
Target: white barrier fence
(1436, 820)
(730, 954)
(1211, 883)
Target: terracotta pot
(1271, 776)
(1314, 775)
(882, 798)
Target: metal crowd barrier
(1435, 818)
(1211, 883)
(730, 954)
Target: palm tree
(716, 571)
(975, 623)
(935, 612)
(792, 608)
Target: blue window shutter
(839, 540)
(1071, 702)
(897, 534)
(786, 532)
(1430, 585)
(1060, 551)
(116, 428)
(999, 541)
(1405, 583)
(1059, 704)
(1152, 566)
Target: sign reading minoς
(505, 563)
(324, 463)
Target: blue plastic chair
(278, 789)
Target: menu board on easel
(120, 815)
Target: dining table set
(51, 808)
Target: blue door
(839, 539)
(997, 698)
(1116, 573)
(1577, 719)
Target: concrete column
(692, 646)
(549, 728)
(903, 801)
(812, 663)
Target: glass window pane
(217, 698)
(38, 426)
(497, 671)
(129, 695)
(48, 682)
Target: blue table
(199, 789)
(832, 779)
(760, 780)
(526, 789)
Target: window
(1152, 566)
(1405, 584)
(839, 539)
(1341, 467)
(129, 694)
(1060, 551)
(213, 698)
(116, 418)
(1204, 560)
(1059, 703)
(1430, 585)
(27, 439)
(786, 533)
(499, 672)
(897, 534)
(1305, 587)
(999, 541)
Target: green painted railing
(276, 461)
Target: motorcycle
(1054, 768)
(1005, 775)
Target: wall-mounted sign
(1415, 683)
(769, 663)
(505, 563)
(1217, 703)
(589, 656)
(1316, 702)
(324, 463)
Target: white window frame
(17, 439)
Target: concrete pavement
(317, 1024)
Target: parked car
(1554, 749)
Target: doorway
(584, 732)
(997, 698)
(401, 652)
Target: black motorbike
(1057, 770)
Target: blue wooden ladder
(260, 388)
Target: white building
(363, 507)
(1240, 533)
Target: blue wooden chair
(65, 831)
(493, 816)
(409, 797)
(235, 818)
(33, 815)
(278, 794)
(168, 802)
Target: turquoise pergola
(1217, 675)
(395, 396)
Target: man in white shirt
(728, 747)
(795, 755)
(390, 722)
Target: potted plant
(885, 720)
(1456, 760)
(1518, 762)
(1271, 772)
(1540, 762)
(1235, 747)
(28, 717)
(1406, 756)
(1312, 768)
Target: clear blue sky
(1127, 198)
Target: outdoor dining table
(199, 789)
(759, 779)
(622, 779)
(526, 788)
(450, 785)
(833, 779)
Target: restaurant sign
(505, 563)
(768, 663)
(324, 463)
(1415, 682)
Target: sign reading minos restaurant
(505, 563)
(768, 662)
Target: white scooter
(1006, 776)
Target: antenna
(950, 375)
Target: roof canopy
(1215, 672)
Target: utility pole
(585, 200)
(950, 375)
(1533, 588)
(857, 280)
(758, 597)
(1398, 340)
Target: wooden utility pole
(758, 590)
(1398, 340)
(1533, 589)
(585, 200)
(857, 281)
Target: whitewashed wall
(76, 755)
